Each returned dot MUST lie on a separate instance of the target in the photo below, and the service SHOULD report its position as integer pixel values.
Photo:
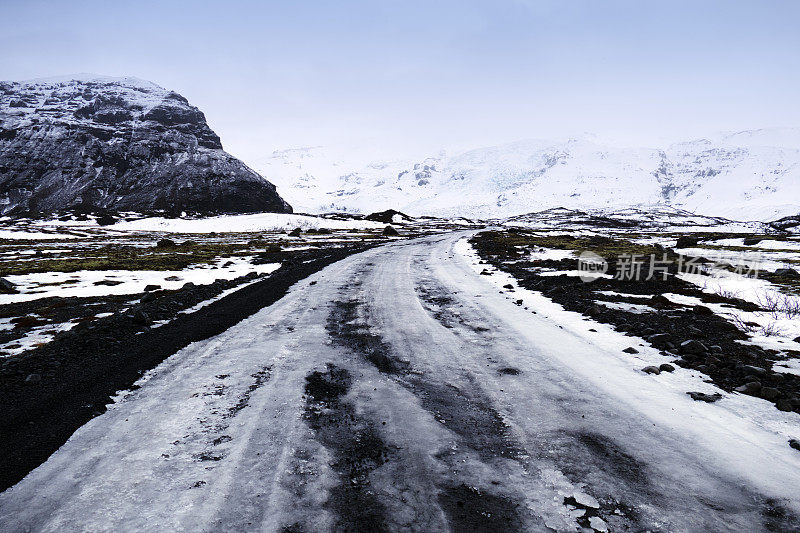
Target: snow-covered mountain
(744, 175)
(117, 143)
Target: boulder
(6, 287)
(787, 273)
(166, 243)
(687, 242)
(769, 393)
(705, 397)
(108, 282)
(594, 310)
(105, 220)
(141, 318)
(703, 310)
(659, 340)
(751, 387)
(752, 369)
(693, 347)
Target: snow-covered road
(399, 390)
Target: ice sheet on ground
(741, 422)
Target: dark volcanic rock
(389, 231)
(703, 397)
(749, 388)
(389, 216)
(6, 287)
(686, 242)
(693, 347)
(787, 273)
(106, 220)
(105, 144)
(786, 223)
(659, 340)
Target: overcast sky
(416, 75)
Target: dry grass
(779, 305)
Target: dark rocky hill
(119, 144)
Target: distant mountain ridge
(101, 143)
(744, 175)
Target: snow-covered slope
(744, 175)
(98, 143)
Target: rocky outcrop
(117, 144)
(790, 224)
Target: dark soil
(48, 393)
(356, 446)
(470, 509)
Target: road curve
(398, 390)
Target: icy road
(400, 390)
